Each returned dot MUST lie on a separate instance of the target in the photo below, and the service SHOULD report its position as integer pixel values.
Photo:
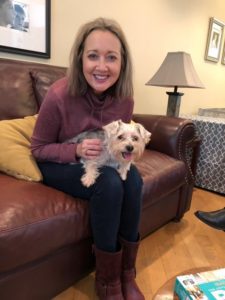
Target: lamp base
(173, 106)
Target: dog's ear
(145, 134)
(113, 127)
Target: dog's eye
(120, 137)
(135, 138)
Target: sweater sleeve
(44, 142)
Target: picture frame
(29, 30)
(214, 40)
(223, 55)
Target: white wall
(153, 28)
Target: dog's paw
(123, 175)
(87, 180)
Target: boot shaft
(108, 272)
(130, 250)
(130, 288)
(108, 264)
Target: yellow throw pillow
(15, 155)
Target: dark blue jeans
(115, 205)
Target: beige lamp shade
(177, 70)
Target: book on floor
(207, 285)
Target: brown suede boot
(129, 286)
(107, 278)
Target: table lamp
(177, 70)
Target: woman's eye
(92, 56)
(111, 57)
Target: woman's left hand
(89, 148)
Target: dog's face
(126, 141)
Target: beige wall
(153, 28)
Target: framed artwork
(25, 27)
(223, 55)
(214, 40)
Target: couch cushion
(17, 97)
(36, 220)
(160, 170)
(15, 155)
(42, 80)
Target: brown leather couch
(45, 237)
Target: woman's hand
(89, 148)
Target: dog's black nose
(129, 148)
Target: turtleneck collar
(98, 102)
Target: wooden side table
(166, 291)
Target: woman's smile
(101, 77)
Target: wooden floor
(172, 249)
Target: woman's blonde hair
(76, 81)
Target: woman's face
(7, 13)
(101, 60)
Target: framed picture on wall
(223, 55)
(25, 27)
(214, 40)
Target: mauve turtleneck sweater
(63, 116)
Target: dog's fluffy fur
(122, 144)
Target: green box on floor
(207, 285)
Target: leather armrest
(170, 135)
(175, 137)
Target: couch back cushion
(42, 79)
(23, 86)
(16, 93)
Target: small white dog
(122, 144)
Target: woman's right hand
(89, 148)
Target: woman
(97, 91)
